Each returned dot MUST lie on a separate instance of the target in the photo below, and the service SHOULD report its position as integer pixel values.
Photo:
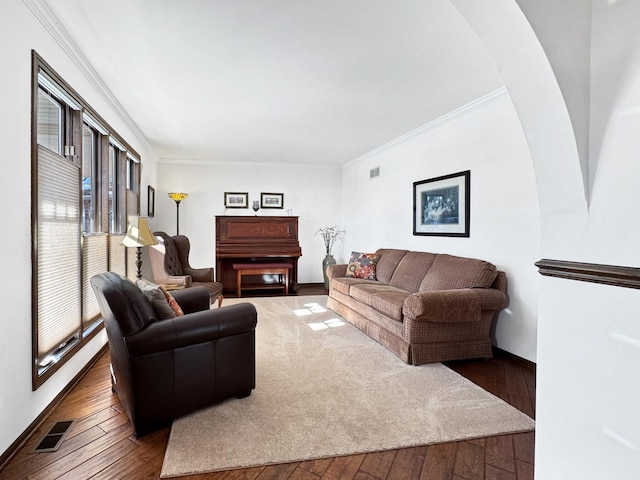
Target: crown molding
(454, 114)
(50, 21)
(219, 163)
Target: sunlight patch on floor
(332, 323)
(314, 308)
(310, 309)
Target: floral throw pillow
(362, 265)
(172, 302)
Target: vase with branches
(330, 235)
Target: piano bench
(281, 269)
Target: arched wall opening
(538, 101)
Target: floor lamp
(177, 197)
(138, 235)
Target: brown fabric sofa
(424, 307)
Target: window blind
(132, 209)
(58, 252)
(117, 255)
(95, 260)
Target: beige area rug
(324, 389)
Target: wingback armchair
(170, 265)
(163, 369)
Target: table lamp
(138, 235)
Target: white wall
(588, 335)
(564, 31)
(488, 141)
(311, 193)
(19, 33)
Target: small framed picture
(441, 205)
(151, 201)
(272, 200)
(236, 200)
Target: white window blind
(132, 209)
(117, 255)
(95, 255)
(58, 252)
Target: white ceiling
(285, 81)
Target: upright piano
(246, 239)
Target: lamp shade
(138, 233)
(177, 196)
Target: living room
(549, 147)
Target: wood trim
(617, 276)
(521, 361)
(15, 447)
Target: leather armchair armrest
(335, 271)
(447, 306)
(199, 274)
(192, 299)
(192, 329)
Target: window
(50, 116)
(90, 175)
(83, 173)
(132, 174)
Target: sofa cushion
(344, 284)
(411, 270)
(449, 272)
(364, 291)
(362, 265)
(390, 302)
(389, 260)
(384, 299)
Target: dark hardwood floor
(101, 445)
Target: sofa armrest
(192, 299)
(335, 271)
(192, 329)
(492, 299)
(447, 306)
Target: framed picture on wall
(236, 200)
(151, 201)
(272, 200)
(441, 205)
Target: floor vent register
(52, 440)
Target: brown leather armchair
(163, 369)
(170, 265)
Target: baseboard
(15, 447)
(519, 360)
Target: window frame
(77, 115)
